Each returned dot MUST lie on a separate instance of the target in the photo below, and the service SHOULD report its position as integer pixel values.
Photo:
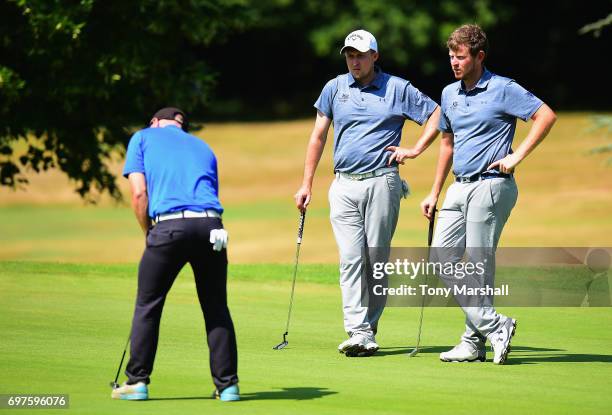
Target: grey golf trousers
(363, 214)
(473, 215)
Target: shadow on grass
(297, 394)
(389, 351)
(180, 398)
(520, 354)
(513, 359)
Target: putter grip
(431, 227)
(301, 228)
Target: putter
(285, 342)
(114, 384)
(429, 239)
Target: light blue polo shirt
(483, 120)
(180, 169)
(370, 118)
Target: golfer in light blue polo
(478, 123)
(368, 109)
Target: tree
(298, 43)
(75, 74)
(408, 28)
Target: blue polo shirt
(483, 120)
(367, 119)
(180, 169)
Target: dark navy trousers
(170, 245)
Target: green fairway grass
(64, 326)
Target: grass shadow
(513, 359)
(297, 394)
(389, 351)
(181, 398)
(520, 354)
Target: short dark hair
(469, 35)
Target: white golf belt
(209, 213)
(368, 175)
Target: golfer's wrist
(418, 149)
(519, 155)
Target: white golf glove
(218, 237)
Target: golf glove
(405, 189)
(218, 238)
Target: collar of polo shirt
(482, 83)
(377, 82)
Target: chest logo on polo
(454, 105)
(343, 97)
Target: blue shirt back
(483, 120)
(370, 118)
(180, 169)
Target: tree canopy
(77, 76)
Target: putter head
(281, 345)
(413, 353)
(114, 385)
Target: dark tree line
(77, 76)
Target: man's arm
(430, 132)
(140, 199)
(316, 144)
(445, 161)
(543, 120)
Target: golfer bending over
(173, 179)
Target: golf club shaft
(297, 257)
(122, 358)
(429, 241)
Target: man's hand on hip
(505, 165)
(400, 154)
(218, 238)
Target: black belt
(481, 176)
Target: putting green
(64, 325)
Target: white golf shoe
(136, 392)
(500, 341)
(354, 345)
(359, 345)
(464, 352)
(371, 346)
